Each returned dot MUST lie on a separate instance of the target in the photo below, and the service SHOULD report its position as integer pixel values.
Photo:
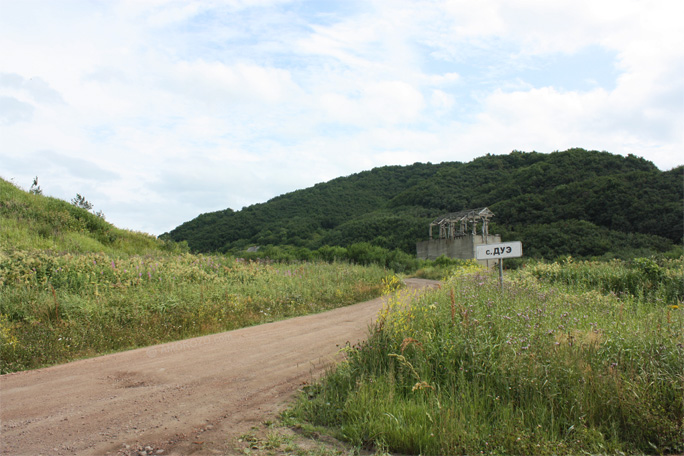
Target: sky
(159, 110)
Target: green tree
(80, 201)
(35, 188)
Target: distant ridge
(575, 202)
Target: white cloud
(378, 103)
(441, 100)
(163, 109)
(241, 83)
(13, 110)
(439, 80)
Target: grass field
(58, 307)
(551, 365)
(73, 285)
(571, 357)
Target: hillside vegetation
(73, 285)
(577, 202)
(37, 222)
(568, 358)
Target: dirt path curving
(187, 397)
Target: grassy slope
(40, 222)
(73, 285)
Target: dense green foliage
(576, 202)
(32, 221)
(553, 365)
(58, 307)
(645, 279)
(361, 253)
(73, 285)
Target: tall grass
(59, 306)
(535, 369)
(660, 280)
(73, 285)
(32, 221)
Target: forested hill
(577, 202)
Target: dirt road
(187, 397)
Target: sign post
(499, 252)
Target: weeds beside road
(59, 307)
(541, 368)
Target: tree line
(576, 202)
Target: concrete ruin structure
(457, 235)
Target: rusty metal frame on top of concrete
(466, 219)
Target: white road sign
(496, 251)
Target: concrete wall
(462, 247)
